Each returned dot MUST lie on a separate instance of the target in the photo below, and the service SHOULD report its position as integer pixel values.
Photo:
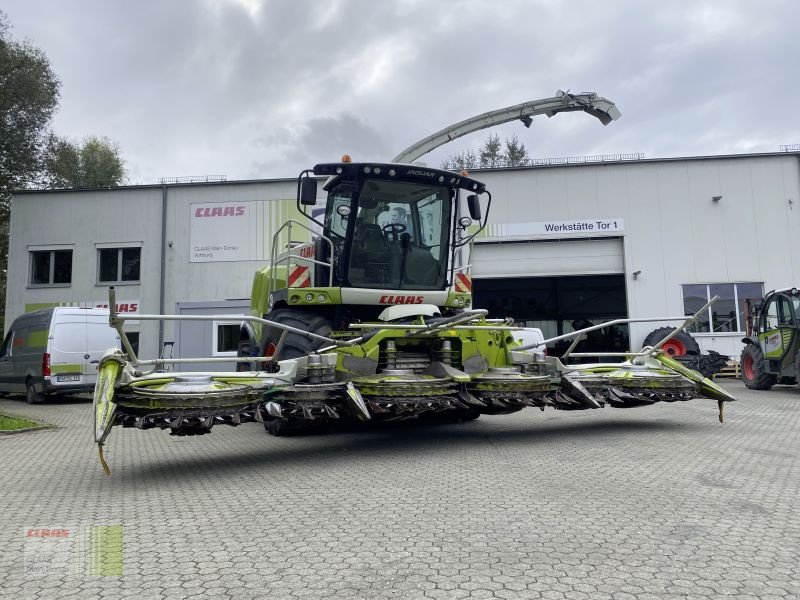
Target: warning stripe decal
(299, 278)
(463, 283)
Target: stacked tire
(681, 344)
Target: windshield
(400, 236)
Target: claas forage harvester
(364, 314)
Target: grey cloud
(192, 87)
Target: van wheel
(31, 395)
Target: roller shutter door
(548, 258)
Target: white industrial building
(594, 240)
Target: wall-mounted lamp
(716, 199)
(636, 274)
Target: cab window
(785, 313)
(778, 313)
(336, 222)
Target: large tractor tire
(243, 350)
(295, 345)
(680, 345)
(754, 369)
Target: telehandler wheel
(683, 343)
(294, 345)
(797, 367)
(754, 373)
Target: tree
(29, 92)
(96, 162)
(516, 154)
(491, 152)
(461, 160)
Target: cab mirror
(464, 222)
(474, 205)
(308, 191)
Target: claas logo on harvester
(401, 300)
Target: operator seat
(372, 239)
(369, 262)
(421, 268)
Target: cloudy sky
(265, 88)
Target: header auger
(365, 315)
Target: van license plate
(68, 377)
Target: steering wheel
(394, 230)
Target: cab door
(778, 328)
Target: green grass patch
(9, 423)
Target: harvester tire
(243, 350)
(754, 369)
(295, 345)
(683, 343)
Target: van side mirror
(474, 205)
(308, 191)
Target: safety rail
(274, 261)
(117, 321)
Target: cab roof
(399, 172)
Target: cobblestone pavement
(657, 502)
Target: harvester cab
(390, 235)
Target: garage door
(543, 258)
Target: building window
(729, 314)
(118, 265)
(225, 336)
(51, 267)
(133, 338)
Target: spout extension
(721, 405)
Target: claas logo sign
(220, 211)
(122, 307)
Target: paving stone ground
(657, 502)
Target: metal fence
(193, 179)
(562, 160)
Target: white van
(530, 335)
(54, 351)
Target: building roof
(546, 164)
